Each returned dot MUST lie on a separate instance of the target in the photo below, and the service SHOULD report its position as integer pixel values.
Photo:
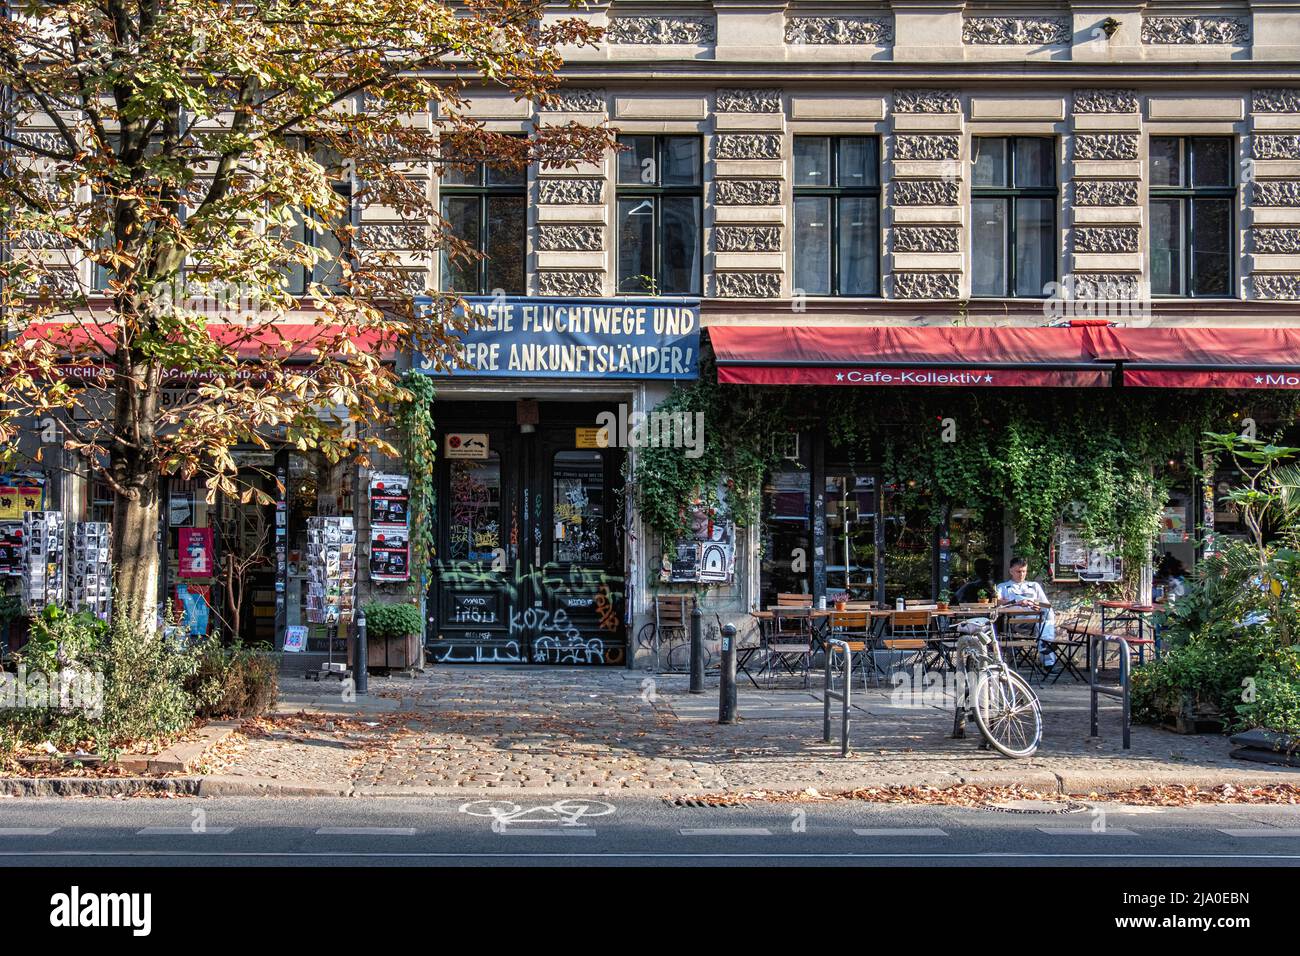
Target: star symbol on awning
(988, 379)
(839, 376)
(1259, 379)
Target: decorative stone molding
(660, 30)
(927, 239)
(1283, 242)
(1284, 285)
(927, 285)
(747, 192)
(749, 101)
(47, 140)
(1106, 239)
(35, 239)
(570, 192)
(1275, 192)
(840, 31)
(927, 101)
(1275, 145)
(1105, 101)
(747, 238)
(927, 147)
(747, 285)
(1106, 286)
(1107, 146)
(1105, 192)
(1019, 31)
(577, 101)
(571, 283)
(749, 146)
(926, 192)
(413, 281)
(393, 235)
(1198, 30)
(1275, 100)
(566, 238)
(57, 283)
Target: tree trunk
(136, 562)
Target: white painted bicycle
(1004, 706)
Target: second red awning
(960, 357)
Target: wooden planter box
(393, 653)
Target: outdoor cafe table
(1130, 612)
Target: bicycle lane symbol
(562, 816)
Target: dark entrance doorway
(529, 565)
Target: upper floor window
(1013, 216)
(1193, 194)
(837, 215)
(321, 234)
(660, 209)
(485, 207)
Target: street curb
(181, 757)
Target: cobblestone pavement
(474, 728)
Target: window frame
(656, 193)
(306, 275)
(835, 193)
(484, 191)
(1013, 194)
(1186, 195)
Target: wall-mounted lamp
(1110, 26)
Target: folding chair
(854, 628)
(909, 637)
(1020, 633)
(789, 643)
(672, 619)
(794, 600)
(1070, 641)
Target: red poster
(195, 552)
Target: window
(487, 207)
(1013, 216)
(327, 272)
(837, 215)
(660, 202)
(1193, 194)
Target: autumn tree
(169, 166)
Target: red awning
(1200, 357)
(896, 355)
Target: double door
(529, 565)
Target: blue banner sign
(577, 338)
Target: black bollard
(362, 671)
(727, 686)
(697, 651)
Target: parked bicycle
(1004, 706)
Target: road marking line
(1086, 831)
(377, 854)
(366, 831)
(546, 831)
(181, 831)
(724, 831)
(901, 831)
(1264, 831)
(26, 831)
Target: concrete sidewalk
(503, 729)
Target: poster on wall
(707, 555)
(193, 600)
(390, 546)
(195, 553)
(1077, 559)
(19, 494)
(389, 499)
(11, 548)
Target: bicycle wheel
(645, 637)
(1008, 713)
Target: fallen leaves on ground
(369, 734)
(972, 795)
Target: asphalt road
(448, 831)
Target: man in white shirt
(1029, 595)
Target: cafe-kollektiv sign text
(599, 338)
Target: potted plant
(392, 635)
(944, 595)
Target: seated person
(1170, 575)
(970, 592)
(1029, 595)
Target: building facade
(911, 192)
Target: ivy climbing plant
(419, 451)
(1100, 458)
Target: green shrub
(1208, 670)
(235, 681)
(1274, 700)
(392, 620)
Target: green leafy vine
(420, 452)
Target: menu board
(1075, 558)
(331, 570)
(390, 533)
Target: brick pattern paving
(613, 730)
